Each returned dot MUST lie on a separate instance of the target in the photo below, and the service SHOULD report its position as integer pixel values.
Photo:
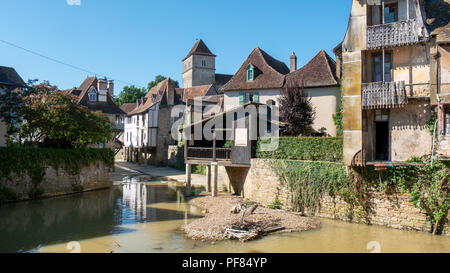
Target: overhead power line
(66, 64)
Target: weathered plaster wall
(395, 211)
(409, 133)
(58, 182)
(354, 43)
(445, 70)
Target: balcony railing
(393, 34)
(208, 153)
(383, 95)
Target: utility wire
(66, 64)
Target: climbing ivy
(427, 186)
(20, 161)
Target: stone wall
(173, 152)
(262, 185)
(59, 182)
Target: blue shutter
(256, 97)
(241, 98)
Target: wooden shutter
(241, 98)
(256, 97)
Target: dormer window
(93, 95)
(250, 73)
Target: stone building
(261, 79)
(394, 66)
(199, 68)
(9, 79)
(148, 127)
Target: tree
(130, 94)
(38, 114)
(57, 120)
(296, 110)
(159, 79)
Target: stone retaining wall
(395, 211)
(59, 182)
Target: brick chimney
(111, 88)
(293, 62)
(102, 85)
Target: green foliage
(428, 187)
(228, 144)
(130, 94)
(58, 119)
(276, 204)
(431, 122)
(34, 161)
(199, 169)
(338, 116)
(310, 180)
(296, 110)
(304, 148)
(180, 164)
(158, 79)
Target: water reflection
(29, 225)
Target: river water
(146, 217)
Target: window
(390, 13)
(246, 97)
(250, 73)
(203, 63)
(92, 95)
(378, 67)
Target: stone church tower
(199, 66)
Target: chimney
(111, 88)
(102, 85)
(293, 62)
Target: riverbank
(224, 213)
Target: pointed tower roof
(199, 48)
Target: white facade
(141, 129)
(325, 100)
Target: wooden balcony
(393, 34)
(383, 95)
(209, 154)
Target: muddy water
(146, 217)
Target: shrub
(305, 148)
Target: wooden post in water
(188, 179)
(208, 178)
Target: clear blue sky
(136, 40)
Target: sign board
(241, 137)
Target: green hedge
(34, 161)
(305, 148)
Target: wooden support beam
(215, 189)
(208, 178)
(188, 179)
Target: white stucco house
(261, 79)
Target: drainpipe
(434, 130)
